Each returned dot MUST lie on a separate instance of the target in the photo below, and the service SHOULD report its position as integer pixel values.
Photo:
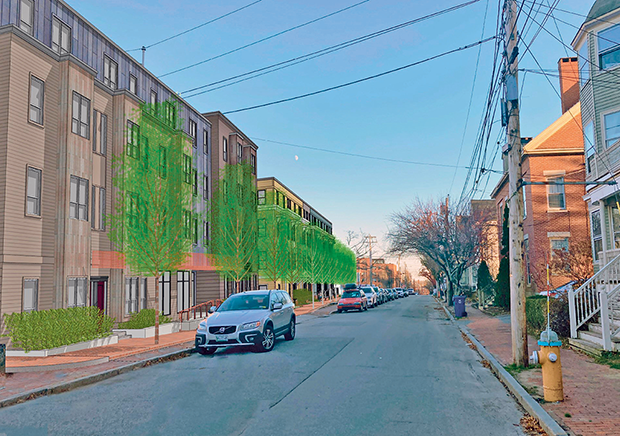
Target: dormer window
(110, 72)
(61, 37)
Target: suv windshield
(351, 294)
(245, 302)
(367, 290)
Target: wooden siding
(209, 286)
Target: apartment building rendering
(67, 94)
(272, 192)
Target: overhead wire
(318, 53)
(307, 23)
(364, 79)
(196, 27)
(358, 155)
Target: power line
(471, 95)
(324, 51)
(475, 44)
(265, 39)
(364, 156)
(197, 27)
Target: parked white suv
(254, 318)
(371, 296)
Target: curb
(527, 402)
(58, 366)
(90, 379)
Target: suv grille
(227, 330)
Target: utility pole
(371, 239)
(143, 53)
(517, 282)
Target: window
(560, 244)
(193, 133)
(76, 292)
(253, 163)
(100, 133)
(78, 203)
(608, 50)
(261, 196)
(195, 230)
(170, 114)
(37, 92)
(110, 72)
(133, 140)
(183, 290)
(187, 224)
(80, 124)
(597, 234)
(143, 294)
(61, 36)
(205, 141)
(164, 293)
(588, 142)
(555, 193)
(195, 183)
(205, 233)
(239, 152)
(615, 217)
(584, 63)
(33, 192)
(205, 187)
(132, 285)
(26, 16)
(101, 208)
(225, 149)
(30, 295)
(133, 209)
(187, 169)
(153, 98)
(133, 84)
(163, 162)
(612, 128)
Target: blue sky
(417, 114)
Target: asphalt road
(399, 369)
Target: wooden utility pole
(371, 239)
(517, 282)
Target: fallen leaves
(531, 426)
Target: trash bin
(459, 306)
(2, 359)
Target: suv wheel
(206, 351)
(268, 340)
(290, 335)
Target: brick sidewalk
(591, 391)
(306, 309)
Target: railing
(593, 297)
(200, 309)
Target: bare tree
(358, 242)
(448, 237)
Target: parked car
(410, 291)
(380, 299)
(353, 299)
(401, 293)
(253, 318)
(371, 296)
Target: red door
(101, 295)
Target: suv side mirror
(212, 309)
(277, 306)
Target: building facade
(273, 193)
(67, 97)
(555, 216)
(229, 146)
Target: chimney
(569, 82)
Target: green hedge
(536, 313)
(303, 296)
(43, 329)
(144, 318)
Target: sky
(417, 114)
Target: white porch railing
(597, 295)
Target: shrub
(502, 285)
(144, 318)
(52, 328)
(303, 296)
(536, 313)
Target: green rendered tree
(151, 221)
(274, 234)
(234, 223)
(502, 285)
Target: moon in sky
(296, 157)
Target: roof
(219, 115)
(564, 135)
(602, 7)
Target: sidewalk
(307, 308)
(591, 390)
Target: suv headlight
(202, 325)
(250, 325)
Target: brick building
(384, 275)
(555, 215)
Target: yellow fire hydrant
(549, 359)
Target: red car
(353, 299)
